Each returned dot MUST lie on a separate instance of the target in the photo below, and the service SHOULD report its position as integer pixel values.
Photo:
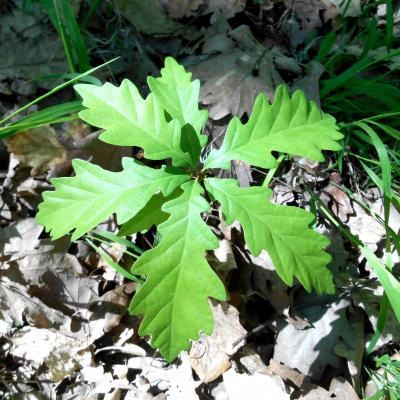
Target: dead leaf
(17, 305)
(60, 353)
(157, 373)
(38, 148)
(20, 236)
(114, 305)
(186, 8)
(149, 17)
(342, 206)
(181, 8)
(342, 390)
(243, 386)
(29, 51)
(251, 361)
(45, 149)
(301, 19)
(367, 228)
(210, 356)
(224, 259)
(351, 8)
(309, 84)
(367, 294)
(230, 84)
(228, 7)
(292, 375)
(312, 350)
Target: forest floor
(65, 332)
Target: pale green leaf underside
(283, 231)
(290, 125)
(179, 96)
(83, 201)
(174, 298)
(129, 120)
(151, 214)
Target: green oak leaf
(174, 298)
(283, 231)
(179, 96)
(90, 197)
(289, 125)
(151, 214)
(129, 120)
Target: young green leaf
(85, 200)
(179, 96)
(168, 124)
(129, 120)
(174, 299)
(151, 214)
(289, 125)
(283, 231)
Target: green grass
(64, 21)
(53, 114)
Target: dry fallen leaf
(181, 8)
(210, 356)
(45, 149)
(229, 85)
(149, 17)
(38, 148)
(62, 354)
(243, 386)
(342, 206)
(367, 294)
(186, 8)
(327, 341)
(350, 8)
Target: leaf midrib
(179, 155)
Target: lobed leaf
(151, 214)
(174, 298)
(289, 125)
(283, 231)
(83, 201)
(179, 96)
(129, 120)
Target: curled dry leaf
(342, 205)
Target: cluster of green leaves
(168, 124)
(386, 377)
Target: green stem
(272, 171)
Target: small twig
(255, 330)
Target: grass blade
(50, 115)
(75, 36)
(55, 90)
